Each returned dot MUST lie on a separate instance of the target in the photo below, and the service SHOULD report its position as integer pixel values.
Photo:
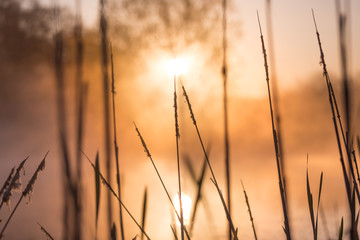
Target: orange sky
(147, 100)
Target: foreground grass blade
(106, 183)
(45, 231)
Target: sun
(178, 66)
(186, 204)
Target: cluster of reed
(73, 211)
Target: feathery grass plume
(333, 105)
(106, 100)
(26, 193)
(276, 142)
(177, 136)
(341, 229)
(314, 220)
(143, 218)
(225, 105)
(213, 179)
(111, 190)
(45, 231)
(115, 143)
(14, 185)
(7, 181)
(161, 180)
(97, 191)
(249, 210)
(199, 183)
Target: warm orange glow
(186, 204)
(178, 66)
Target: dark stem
(116, 146)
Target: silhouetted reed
(276, 143)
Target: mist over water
(144, 94)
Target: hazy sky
(306, 121)
(296, 49)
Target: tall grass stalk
(276, 142)
(160, 178)
(333, 106)
(106, 100)
(249, 210)
(115, 144)
(26, 193)
(177, 136)
(111, 190)
(213, 179)
(225, 105)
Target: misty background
(146, 34)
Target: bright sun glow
(186, 203)
(178, 66)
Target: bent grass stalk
(276, 142)
(161, 180)
(111, 190)
(213, 179)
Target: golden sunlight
(186, 204)
(178, 66)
